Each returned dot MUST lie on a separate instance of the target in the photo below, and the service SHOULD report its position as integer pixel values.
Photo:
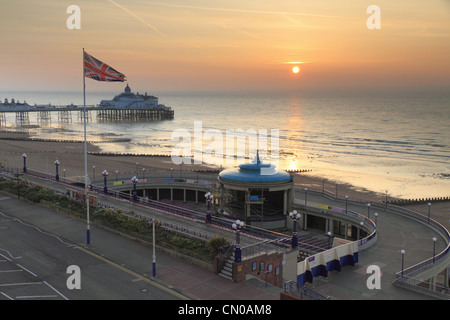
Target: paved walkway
(395, 233)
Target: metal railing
(303, 292)
(423, 287)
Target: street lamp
(337, 184)
(368, 210)
(429, 211)
(329, 239)
(143, 173)
(105, 174)
(137, 168)
(237, 252)
(154, 251)
(346, 204)
(134, 180)
(386, 201)
(403, 258)
(306, 196)
(17, 175)
(93, 169)
(376, 217)
(295, 217)
(434, 248)
(116, 174)
(360, 229)
(24, 163)
(208, 197)
(57, 164)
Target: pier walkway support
(162, 113)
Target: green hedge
(139, 228)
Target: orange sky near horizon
(226, 45)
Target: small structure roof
(255, 172)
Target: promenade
(395, 233)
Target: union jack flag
(97, 70)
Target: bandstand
(256, 195)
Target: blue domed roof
(255, 172)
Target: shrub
(215, 244)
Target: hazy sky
(226, 45)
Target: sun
(295, 69)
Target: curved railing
(368, 225)
(432, 261)
(406, 274)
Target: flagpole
(86, 186)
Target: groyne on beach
(406, 202)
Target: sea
(390, 141)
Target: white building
(130, 100)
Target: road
(34, 261)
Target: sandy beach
(41, 156)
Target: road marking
(15, 270)
(26, 270)
(64, 297)
(134, 274)
(18, 284)
(34, 297)
(6, 257)
(6, 296)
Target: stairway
(227, 270)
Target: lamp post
(403, 258)
(329, 239)
(24, 163)
(93, 169)
(385, 202)
(368, 210)
(154, 251)
(57, 164)
(306, 196)
(17, 175)
(137, 168)
(360, 229)
(346, 204)
(429, 211)
(376, 217)
(105, 174)
(64, 174)
(237, 252)
(134, 180)
(295, 217)
(116, 174)
(337, 184)
(143, 173)
(434, 249)
(208, 197)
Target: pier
(63, 114)
(126, 106)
